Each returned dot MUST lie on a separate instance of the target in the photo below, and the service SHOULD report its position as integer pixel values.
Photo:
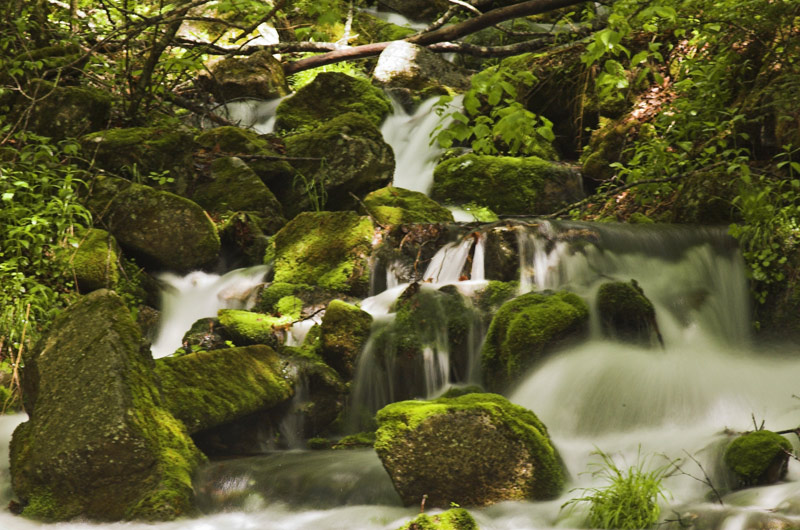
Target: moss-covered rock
(329, 95)
(207, 389)
(95, 262)
(452, 519)
(507, 185)
(406, 65)
(495, 294)
(355, 441)
(133, 461)
(758, 458)
(259, 76)
(370, 28)
(344, 331)
(66, 111)
(327, 249)
(161, 228)
(246, 328)
(344, 157)
(393, 206)
(525, 328)
(502, 253)
(626, 313)
(473, 450)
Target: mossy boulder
(405, 65)
(259, 76)
(392, 206)
(502, 252)
(326, 249)
(452, 519)
(66, 111)
(605, 147)
(494, 295)
(626, 313)
(206, 389)
(344, 331)
(329, 95)
(344, 157)
(758, 458)
(507, 185)
(525, 328)
(159, 227)
(95, 262)
(474, 450)
(246, 328)
(370, 28)
(132, 461)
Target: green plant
(629, 500)
(301, 79)
(314, 187)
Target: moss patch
(246, 328)
(453, 519)
(392, 206)
(94, 262)
(344, 331)
(758, 458)
(626, 313)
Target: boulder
(259, 76)
(626, 313)
(422, 10)
(207, 389)
(452, 519)
(392, 206)
(473, 450)
(369, 28)
(344, 331)
(329, 95)
(502, 253)
(327, 249)
(346, 156)
(159, 227)
(98, 443)
(246, 328)
(525, 328)
(66, 111)
(406, 65)
(539, 187)
(758, 458)
(95, 262)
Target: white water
(256, 114)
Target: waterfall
(256, 114)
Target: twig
(706, 480)
(372, 217)
(15, 375)
(279, 157)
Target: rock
(159, 227)
(132, 461)
(605, 147)
(246, 328)
(327, 249)
(626, 313)
(259, 76)
(355, 441)
(423, 10)
(539, 187)
(236, 188)
(243, 236)
(406, 65)
(452, 519)
(312, 297)
(204, 335)
(473, 450)
(495, 294)
(525, 328)
(95, 262)
(369, 28)
(66, 111)
(758, 458)
(392, 206)
(344, 157)
(502, 253)
(206, 389)
(344, 331)
(329, 95)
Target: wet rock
(133, 461)
(259, 76)
(502, 253)
(206, 389)
(452, 519)
(527, 327)
(406, 65)
(392, 206)
(95, 262)
(344, 331)
(758, 458)
(329, 95)
(627, 314)
(540, 187)
(245, 328)
(370, 28)
(473, 450)
(204, 335)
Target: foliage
(630, 500)
(301, 79)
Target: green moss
(495, 294)
(238, 141)
(289, 306)
(640, 219)
(328, 249)
(391, 205)
(370, 29)
(354, 441)
(759, 457)
(331, 94)
(235, 187)
(625, 312)
(95, 261)
(526, 327)
(453, 519)
(246, 327)
(269, 295)
(344, 331)
(67, 111)
(486, 180)
(206, 389)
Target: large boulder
(327, 249)
(626, 313)
(369, 28)
(392, 206)
(94, 263)
(161, 228)
(344, 157)
(758, 458)
(98, 443)
(525, 328)
(507, 185)
(452, 519)
(473, 450)
(65, 111)
(259, 76)
(344, 332)
(207, 389)
(329, 95)
(406, 65)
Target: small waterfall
(256, 114)
(447, 265)
(186, 299)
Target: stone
(392, 206)
(259, 76)
(626, 314)
(245, 328)
(406, 65)
(344, 332)
(95, 262)
(539, 187)
(132, 461)
(66, 111)
(473, 450)
(758, 458)
(452, 519)
(527, 327)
